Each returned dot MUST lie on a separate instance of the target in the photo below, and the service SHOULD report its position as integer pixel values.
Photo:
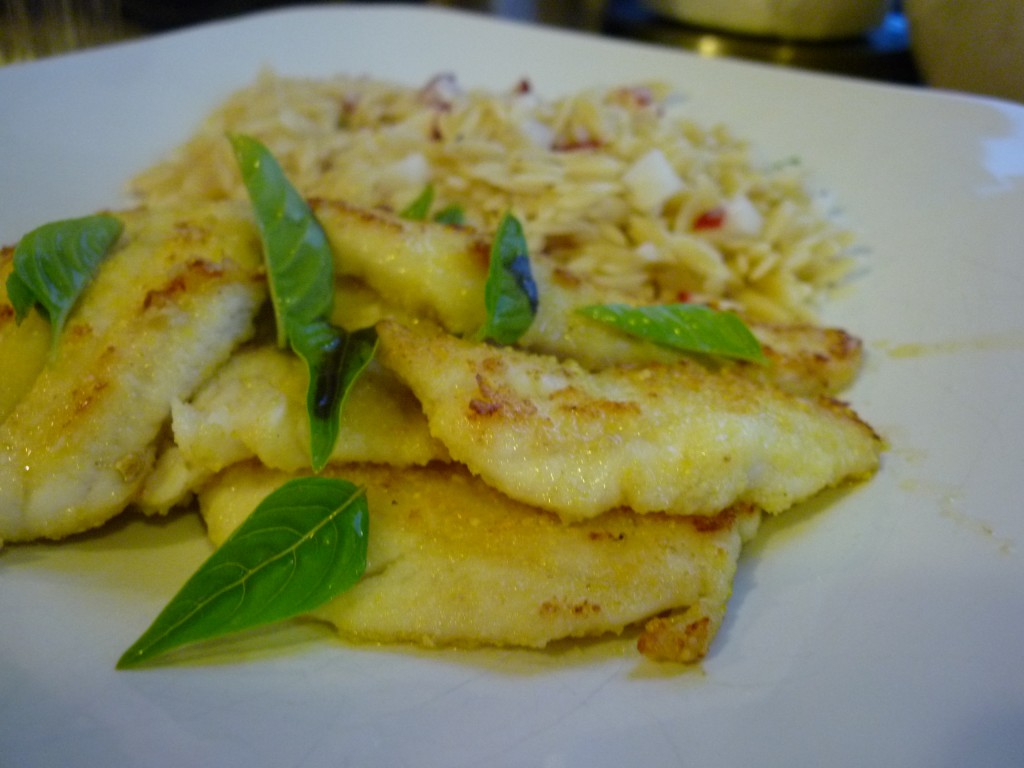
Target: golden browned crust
(176, 295)
(684, 637)
(452, 561)
(678, 438)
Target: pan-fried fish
(661, 438)
(516, 498)
(176, 295)
(438, 271)
(430, 270)
(802, 359)
(23, 346)
(255, 406)
(452, 561)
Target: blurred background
(974, 46)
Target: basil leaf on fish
(419, 209)
(686, 327)
(54, 263)
(510, 294)
(300, 267)
(304, 544)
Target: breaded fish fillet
(431, 270)
(802, 359)
(176, 295)
(255, 406)
(23, 346)
(438, 271)
(662, 438)
(452, 561)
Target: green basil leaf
(510, 294)
(303, 545)
(419, 208)
(451, 214)
(21, 296)
(334, 359)
(54, 263)
(300, 266)
(687, 327)
(298, 254)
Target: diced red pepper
(711, 219)
(635, 96)
(575, 145)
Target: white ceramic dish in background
(791, 19)
(881, 627)
(973, 46)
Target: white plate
(883, 628)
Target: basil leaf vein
(304, 544)
(687, 327)
(510, 294)
(55, 262)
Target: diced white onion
(651, 180)
(742, 217)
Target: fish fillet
(673, 438)
(438, 272)
(452, 561)
(23, 346)
(431, 270)
(802, 359)
(255, 406)
(176, 295)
